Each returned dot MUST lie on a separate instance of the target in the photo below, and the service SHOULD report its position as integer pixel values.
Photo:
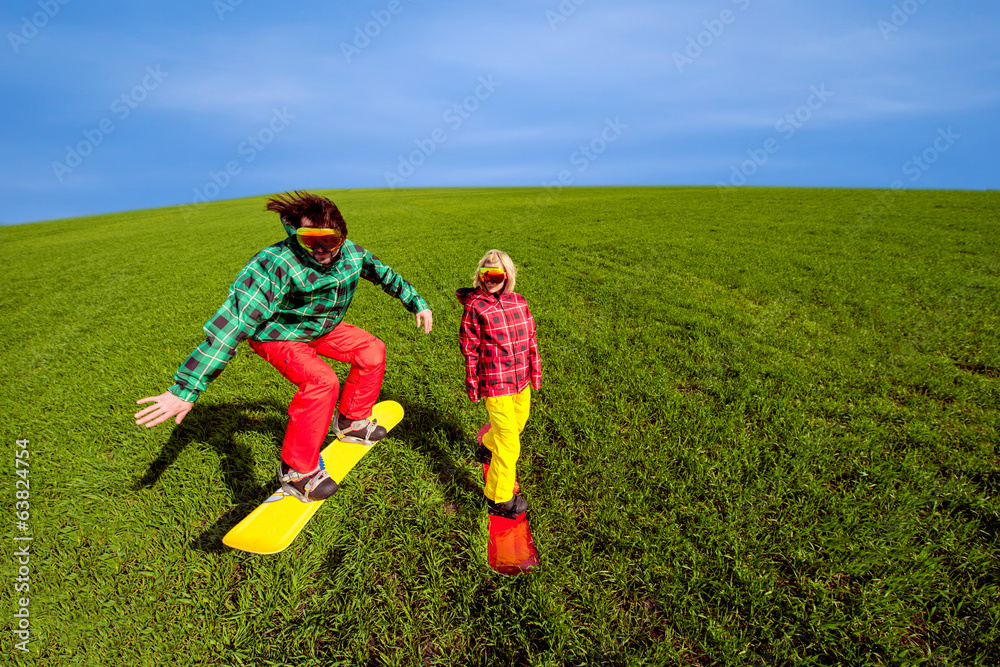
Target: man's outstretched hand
(428, 320)
(165, 406)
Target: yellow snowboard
(271, 527)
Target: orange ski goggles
(492, 276)
(319, 239)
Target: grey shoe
(361, 431)
(306, 486)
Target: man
(290, 301)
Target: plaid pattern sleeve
(534, 360)
(374, 271)
(468, 341)
(253, 297)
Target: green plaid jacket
(284, 294)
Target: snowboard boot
(307, 487)
(361, 431)
(511, 509)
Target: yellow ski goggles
(319, 239)
(492, 276)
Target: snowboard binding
(307, 486)
(360, 431)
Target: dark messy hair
(292, 207)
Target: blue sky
(120, 105)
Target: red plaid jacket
(497, 338)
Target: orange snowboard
(511, 548)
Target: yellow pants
(508, 415)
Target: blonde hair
(493, 258)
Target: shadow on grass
(216, 426)
(461, 489)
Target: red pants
(313, 405)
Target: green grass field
(766, 435)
